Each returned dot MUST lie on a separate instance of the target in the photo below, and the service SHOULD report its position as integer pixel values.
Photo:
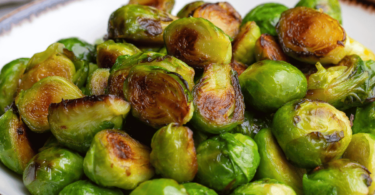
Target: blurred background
(7, 6)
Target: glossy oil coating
(160, 187)
(162, 5)
(81, 49)
(264, 187)
(198, 189)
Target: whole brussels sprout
(362, 150)
(252, 124)
(266, 16)
(330, 7)
(97, 82)
(267, 85)
(160, 187)
(187, 10)
(109, 51)
(227, 161)
(87, 188)
(364, 120)
(267, 48)
(162, 5)
(311, 132)
(197, 42)
(81, 49)
(33, 103)
(218, 101)
(273, 163)
(15, 148)
(198, 189)
(244, 43)
(173, 153)
(51, 170)
(117, 160)
(264, 187)
(340, 176)
(10, 75)
(75, 122)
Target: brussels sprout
(188, 9)
(51, 142)
(33, 103)
(81, 49)
(362, 150)
(273, 163)
(252, 124)
(244, 43)
(145, 48)
(267, 85)
(267, 48)
(218, 101)
(117, 160)
(264, 187)
(98, 82)
(227, 161)
(340, 176)
(364, 120)
(15, 148)
(311, 36)
(75, 122)
(330, 7)
(163, 50)
(311, 132)
(162, 5)
(139, 24)
(349, 84)
(109, 51)
(266, 16)
(158, 97)
(82, 73)
(160, 187)
(236, 66)
(51, 170)
(55, 61)
(173, 153)
(87, 188)
(198, 189)
(9, 80)
(197, 42)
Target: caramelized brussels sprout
(98, 82)
(160, 187)
(227, 161)
(81, 49)
(75, 122)
(266, 16)
(162, 5)
(33, 103)
(267, 85)
(87, 188)
(117, 160)
(188, 9)
(198, 189)
(237, 66)
(197, 42)
(311, 132)
(15, 148)
(9, 80)
(364, 120)
(51, 170)
(330, 7)
(218, 101)
(252, 124)
(244, 43)
(267, 48)
(264, 187)
(340, 176)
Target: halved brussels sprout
(173, 153)
(33, 103)
(51, 170)
(244, 43)
(187, 10)
(160, 187)
(197, 42)
(264, 187)
(237, 66)
(218, 101)
(311, 132)
(162, 5)
(54, 61)
(227, 161)
(10, 75)
(267, 85)
(273, 163)
(340, 176)
(81, 49)
(117, 160)
(266, 16)
(330, 7)
(252, 124)
(86, 188)
(97, 82)
(362, 150)
(267, 48)
(198, 189)
(15, 148)
(364, 120)
(158, 96)
(75, 122)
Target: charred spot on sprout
(267, 48)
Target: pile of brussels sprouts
(202, 103)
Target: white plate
(87, 19)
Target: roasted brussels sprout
(109, 51)
(227, 161)
(33, 103)
(218, 101)
(173, 153)
(198, 189)
(267, 48)
(117, 160)
(252, 124)
(264, 187)
(237, 66)
(75, 122)
(266, 16)
(86, 188)
(158, 97)
(244, 43)
(189, 8)
(81, 49)
(311, 132)
(82, 73)
(162, 5)
(273, 163)
(160, 187)
(340, 176)
(267, 85)
(197, 42)
(15, 148)
(9, 80)
(364, 120)
(97, 82)
(51, 170)
(330, 7)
